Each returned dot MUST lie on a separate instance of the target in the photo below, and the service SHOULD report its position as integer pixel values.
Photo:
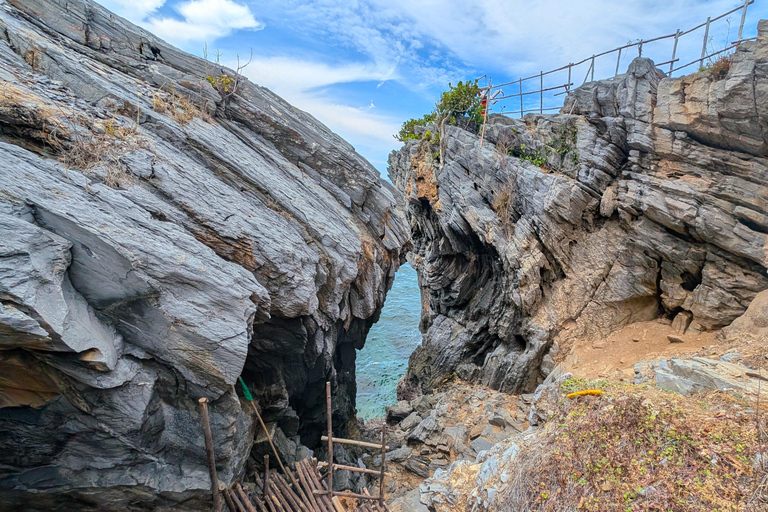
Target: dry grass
(177, 106)
(635, 449)
(504, 200)
(104, 150)
(719, 68)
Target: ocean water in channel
(390, 342)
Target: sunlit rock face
(161, 237)
(645, 196)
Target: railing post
(743, 17)
(568, 83)
(521, 98)
(618, 60)
(541, 92)
(704, 44)
(593, 69)
(640, 49)
(674, 52)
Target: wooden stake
(329, 412)
(383, 462)
(266, 476)
(205, 420)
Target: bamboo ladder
(378, 501)
(303, 492)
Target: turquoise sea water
(384, 359)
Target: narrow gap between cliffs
(389, 344)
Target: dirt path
(615, 355)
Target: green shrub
(460, 101)
(457, 103)
(407, 130)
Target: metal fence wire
(528, 88)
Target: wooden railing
(565, 86)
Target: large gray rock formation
(162, 235)
(652, 201)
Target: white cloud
(203, 20)
(200, 20)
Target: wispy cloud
(302, 84)
(292, 75)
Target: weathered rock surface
(159, 238)
(653, 201)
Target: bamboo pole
(266, 432)
(361, 444)
(305, 484)
(704, 45)
(674, 52)
(329, 412)
(205, 420)
(355, 468)
(349, 494)
(287, 501)
(315, 484)
(743, 17)
(383, 462)
(485, 111)
(541, 92)
(618, 62)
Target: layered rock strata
(645, 196)
(166, 227)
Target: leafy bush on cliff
(459, 105)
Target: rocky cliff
(645, 197)
(166, 227)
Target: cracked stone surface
(159, 239)
(652, 201)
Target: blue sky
(362, 67)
